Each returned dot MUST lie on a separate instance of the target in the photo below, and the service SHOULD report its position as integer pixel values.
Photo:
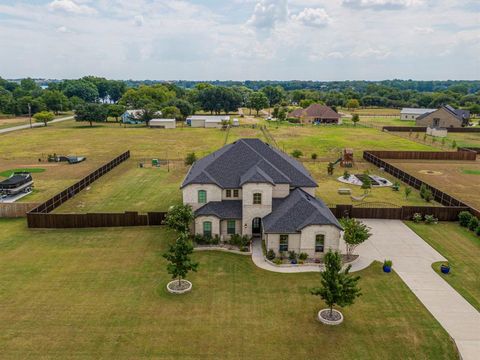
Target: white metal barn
(207, 121)
(163, 123)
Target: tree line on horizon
(100, 98)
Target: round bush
(473, 223)
(464, 218)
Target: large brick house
(250, 188)
(316, 114)
(444, 117)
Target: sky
(241, 39)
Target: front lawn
(100, 293)
(461, 247)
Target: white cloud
(62, 29)
(268, 13)
(71, 6)
(372, 52)
(138, 20)
(381, 4)
(336, 55)
(422, 30)
(315, 17)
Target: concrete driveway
(412, 258)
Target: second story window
(202, 197)
(257, 199)
(235, 193)
(228, 193)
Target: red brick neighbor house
(316, 114)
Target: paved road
(412, 258)
(27, 126)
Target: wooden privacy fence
(438, 195)
(71, 191)
(424, 129)
(128, 218)
(398, 213)
(12, 210)
(461, 154)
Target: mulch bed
(325, 314)
(183, 285)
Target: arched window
(319, 243)
(207, 229)
(202, 197)
(257, 198)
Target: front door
(257, 226)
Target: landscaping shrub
(190, 158)
(314, 156)
(396, 186)
(293, 120)
(417, 217)
(292, 255)
(464, 218)
(270, 255)
(277, 261)
(238, 240)
(297, 153)
(346, 175)
(388, 263)
(303, 256)
(473, 223)
(430, 219)
(428, 196)
(423, 188)
(477, 230)
(205, 240)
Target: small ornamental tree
(355, 119)
(179, 218)
(44, 117)
(337, 287)
(190, 158)
(407, 190)
(355, 233)
(179, 257)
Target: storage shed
(163, 123)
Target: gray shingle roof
(297, 211)
(228, 165)
(229, 209)
(461, 115)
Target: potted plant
(445, 268)
(387, 266)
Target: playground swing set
(345, 160)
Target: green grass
(471, 172)
(100, 293)
(461, 247)
(7, 173)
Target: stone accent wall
(281, 190)
(190, 194)
(198, 228)
(223, 229)
(250, 210)
(310, 190)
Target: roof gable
(316, 110)
(248, 159)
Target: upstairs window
(257, 199)
(228, 193)
(319, 243)
(202, 197)
(283, 246)
(235, 193)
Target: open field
(461, 247)
(461, 139)
(6, 122)
(100, 293)
(373, 111)
(449, 176)
(328, 186)
(328, 141)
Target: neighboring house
(316, 114)
(250, 188)
(134, 116)
(413, 113)
(445, 117)
(207, 121)
(163, 123)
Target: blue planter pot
(445, 269)
(293, 262)
(387, 269)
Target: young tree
(355, 233)
(44, 116)
(190, 158)
(116, 111)
(179, 218)
(355, 119)
(337, 287)
(297, 153)
(408, 191)
(179, 257)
